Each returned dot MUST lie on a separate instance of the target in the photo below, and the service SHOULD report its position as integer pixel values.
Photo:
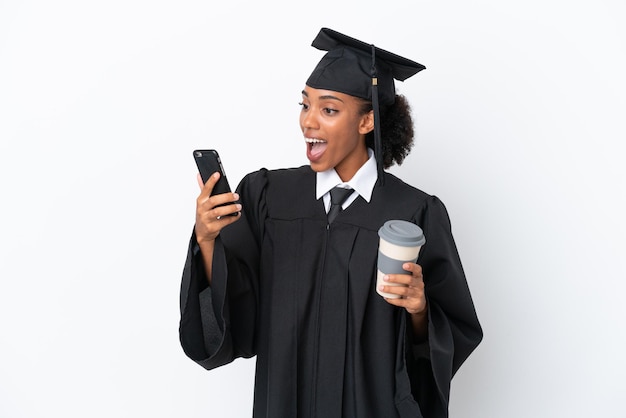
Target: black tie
(338, 195)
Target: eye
(304, 106)
(329, 111)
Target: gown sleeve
(453, 327)
(218, 323)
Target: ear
(367, 123)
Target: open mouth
(316, 146)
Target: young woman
(296, 289)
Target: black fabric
(338, 195)
(300, 295)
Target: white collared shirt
(362, 182)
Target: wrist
(420, 313)
(205, 242)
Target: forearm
(206, 249)
(419, 322)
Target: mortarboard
(362, 70)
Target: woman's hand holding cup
(407, 290)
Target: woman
(297, 289)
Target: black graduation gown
(300, 295)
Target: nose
(308, 120)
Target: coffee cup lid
(403, 233)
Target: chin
(318, 168)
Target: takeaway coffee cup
(400, 242)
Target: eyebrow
(325, 97)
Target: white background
(520, 129)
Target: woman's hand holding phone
(216, 206)
(213, 212)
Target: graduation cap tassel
(378, 145)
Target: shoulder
(277, 179)
(414, 202)
(286, 176)
(283, 193)
(396, 189)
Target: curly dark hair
(396, 130)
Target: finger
(401, 290)
(207, 187)
(404, 279)
(210, 222)
(403, 285)
(223, 199)
(226, 211)
(214, 207)
(410, 299)
(415, 269)
(412, 306)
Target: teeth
(313, 140)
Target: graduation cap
(362, 70)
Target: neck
(348, 169)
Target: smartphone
(208, 162)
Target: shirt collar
(362, 182)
